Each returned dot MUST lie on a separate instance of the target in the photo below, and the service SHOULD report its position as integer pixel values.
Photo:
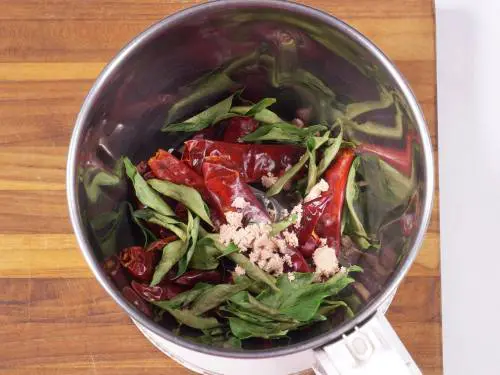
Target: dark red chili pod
(311, 212)
(181, 211)
(190, 278)
(115, 271)
(143, 168)
(312, 243)
(138, 262)
(251, 160)
(166, 166)
(134, 298)
(164, 291)
(225, 185)
(208, 133)
(299, 264)
(158, 245)
(329, 224)
(239, 126)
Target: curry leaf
(260, 106)
(185, 298)
(167, 222)
(184, 194)
(254, 287)
(286, 287)
(144, 193)
(312, 143)
(203, 119)
(265, 116)
(304, 304)
(252, 271)
(193, 235)
(243, 329)
(287, 176)
(215, 296)
(189, 319)
(148, 235)
(220, 341)
(250, 304)
(283, 132)
(172, 253)
(329, 153)
(229, 249)
(205, 255)
(280, 226)
(351, 194)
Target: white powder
(267, 252)
(243, 237)
(316, 190)
(291, 238)
(240, 202)
(264, 244)
(274, 265)
(281, 244)
(297, 210)
(268, 180)
(254, 257)
(326, 261)
(226, 233)
(240, 271)
(288, 260)
(291, 276)
(234, 219)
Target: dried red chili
(115, 271)
(190, 278)
(158, 245)
(312, 243)
(164, 291)
(136, 300)
(208, 133)
(336, 176)
(225, 185)
(299, 264)
(166, 166)
(238, 127)
(139, 263)
(252, 160)
(311, 212)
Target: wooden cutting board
(54, 317)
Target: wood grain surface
(54, 317)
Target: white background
(468, 58)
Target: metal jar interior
(127, 106)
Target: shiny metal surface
(127, 105)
